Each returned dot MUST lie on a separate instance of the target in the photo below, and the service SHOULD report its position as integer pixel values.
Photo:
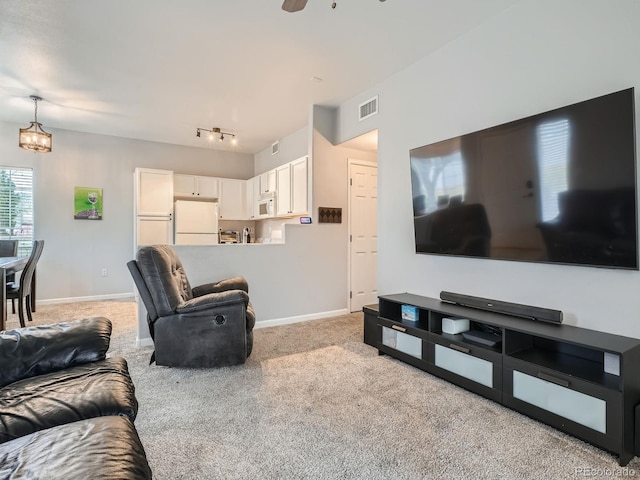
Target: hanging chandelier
(34, 138)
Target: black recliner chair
(209, 325)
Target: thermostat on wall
(305, 220)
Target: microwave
(266, 207)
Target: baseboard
(113, 296)
(144, 342)
(147, 341)
(300, 318)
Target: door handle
(459, 348)
(399, 328)
(550, 378)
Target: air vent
(368, 108)
(275, 148)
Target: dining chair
(9, 248)
(22, 290)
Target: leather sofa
(457, 229)
(596, 227)
(67, 411)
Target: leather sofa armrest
(27, 352)
(212, 300)
(235, 283)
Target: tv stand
(580, 381)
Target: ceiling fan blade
(293, 5)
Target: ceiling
(158, 69)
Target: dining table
(9, 265)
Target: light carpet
(314, 402)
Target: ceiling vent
(368, 108)
(275, 148)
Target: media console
(583, 382)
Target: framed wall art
(87, 203)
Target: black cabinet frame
(565, 355)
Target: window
(16, 207)
(437, 182)
(553, 160)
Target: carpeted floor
(314, 402)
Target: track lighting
(216, 132)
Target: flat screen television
(557, 187)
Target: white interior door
(363, 234)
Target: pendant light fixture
(34, 138)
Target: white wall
(536, 56)
(294, 145)
(76, 250)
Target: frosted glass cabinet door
(473, 368)
(578, 407)
(402, 342)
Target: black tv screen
(557, 187)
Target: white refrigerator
(195, 223)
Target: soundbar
(498, 306)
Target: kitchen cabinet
(253, 195)
(153, 206)
(232, 199)
(154, 192)
(292, 188)
(195, 186)
(283, 196)
(154, 231)
(268, 182)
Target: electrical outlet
(103, 272)
(251, 230)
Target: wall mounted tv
(558, 187)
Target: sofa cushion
(85, 391)
(31, 351)
(97, 448)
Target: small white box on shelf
(455, 325)
(409, 312)
(612, 363)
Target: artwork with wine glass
(87, 203)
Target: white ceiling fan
(297, 5)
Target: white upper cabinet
(232, 199)
(195, 186)
(268, 182)
(154, 192)
(283, 203)
(292, 188)
(253, 195)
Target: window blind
(16, 207)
